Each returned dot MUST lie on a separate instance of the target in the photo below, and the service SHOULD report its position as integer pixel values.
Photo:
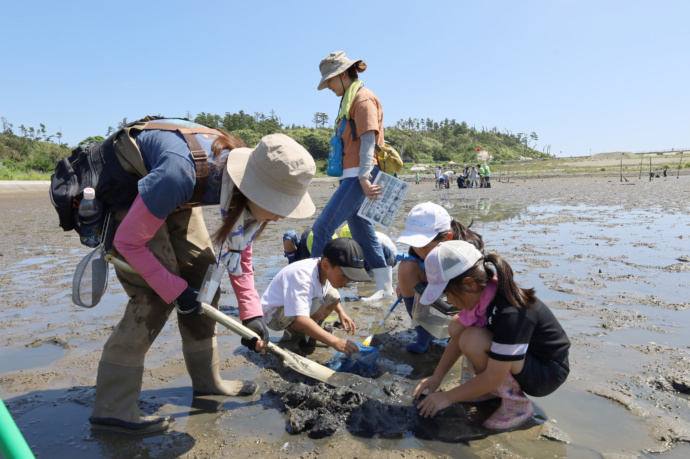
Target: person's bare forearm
(310, 328)
(448, 359)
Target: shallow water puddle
(13, 359)
(607, 428)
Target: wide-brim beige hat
(332, 65)
(275, 175)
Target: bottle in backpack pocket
(90, 221)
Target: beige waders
(183, 246)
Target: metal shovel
(290, 359)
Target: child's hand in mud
(430, 383)
(348, 324)
(433, 403)
(346, 346)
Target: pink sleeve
(139, 227)
(247, 296)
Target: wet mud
(320, 411)
(611, 261)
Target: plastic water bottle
(90, 219)
(467, 370)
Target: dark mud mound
(320, 411)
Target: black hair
(354, 69)
(481, 273)
(462, 233)
(238, 201)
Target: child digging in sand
(303, 294)
(522, 350)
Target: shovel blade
(291, 360)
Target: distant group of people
(469, 177)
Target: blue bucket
(361, 362)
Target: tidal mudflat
(611, 259)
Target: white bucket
(433, 321)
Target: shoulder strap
(199, 155)
(353, 129)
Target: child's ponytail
(515, 295)
(464, 233)
(482, 273)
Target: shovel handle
(229, 322)
(290, 360)
(248, 333)
(240, 329)
(119, 264)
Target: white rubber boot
(384, 284)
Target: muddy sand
(611, 259)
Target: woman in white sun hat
(427, 225)
(166, 241)
(361, 120)
(520, 348)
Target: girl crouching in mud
(427, 225)
(522, 350)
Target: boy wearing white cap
(519, 349)
(427, 225)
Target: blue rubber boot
(421, 345)
(290, 243)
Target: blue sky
(584, 75)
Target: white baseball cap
(423, 224)
(447, 261)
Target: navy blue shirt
(171, 173)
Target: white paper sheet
(382, 212)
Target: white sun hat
(447, 261)
(423, 224)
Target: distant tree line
(25, 149)
(420, 140)
(425, 140)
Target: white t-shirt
(438, 173)
(448, 174)
(294, 287)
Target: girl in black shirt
(522, 350)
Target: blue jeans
(344, 205)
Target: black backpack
(94, 166)
(97, 166)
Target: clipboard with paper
(382, 212)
